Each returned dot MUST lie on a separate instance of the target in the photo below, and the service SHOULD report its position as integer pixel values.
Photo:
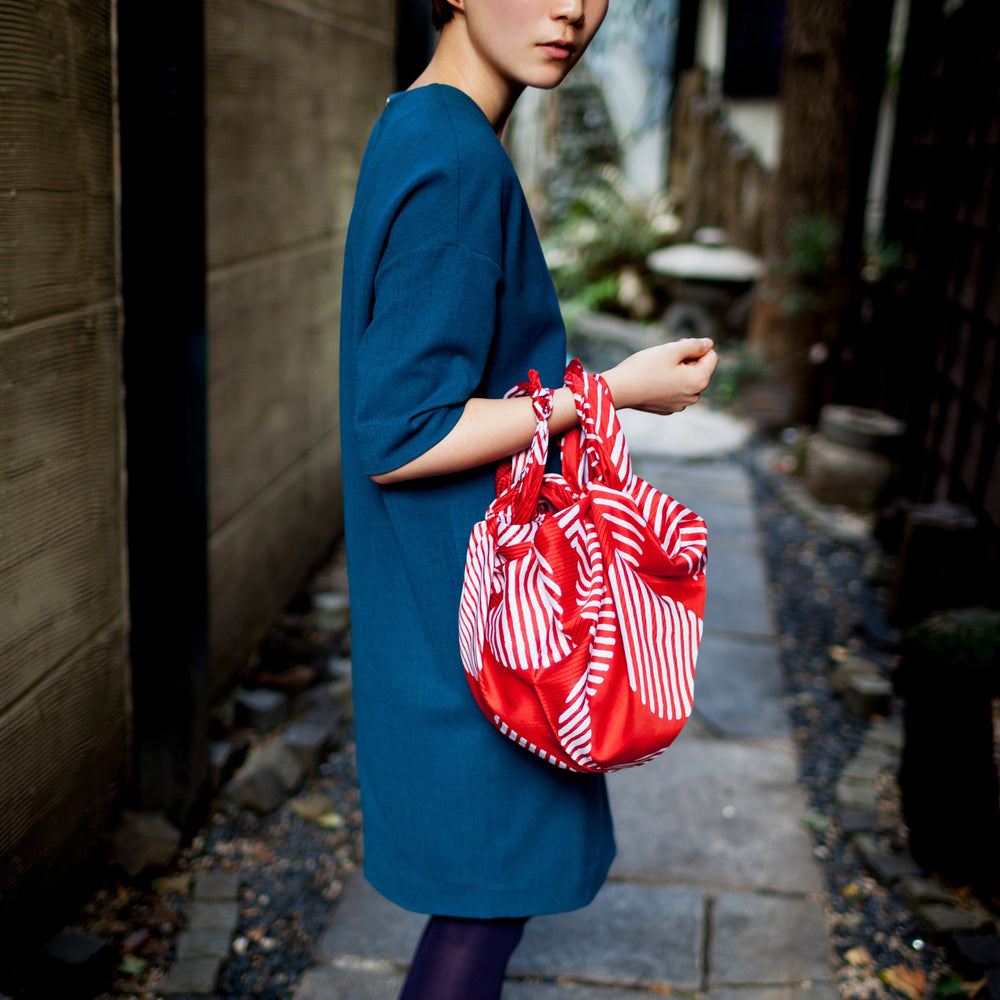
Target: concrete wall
(292, 90)
(63, 659)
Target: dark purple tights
(462, 959)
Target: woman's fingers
(665, 378)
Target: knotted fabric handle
(519, 478)
(596, 452)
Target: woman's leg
(462, 959)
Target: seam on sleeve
(461, 247)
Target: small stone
(337, 668)
(145, 840)
(857, 820)
(213, 915)
(856, 794)
(261, 791)
(192, 975)
(887, 734)
(217, 884)
(852, 666)
(343, 694)
(866, 695)
(74, 954)
(886, 867)
(915, 890)
(261, 709)
(940, 922)
(208, 943)
(309, 742)
(275, 756)
(224, 757)
(879, 756)
(971, 955)
(332, 611)
(863, 769)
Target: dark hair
(440, 12)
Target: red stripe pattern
(582, 605)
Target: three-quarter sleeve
(425, 351)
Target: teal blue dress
(446, 296)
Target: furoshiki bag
(583, 597)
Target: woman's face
(532, 43)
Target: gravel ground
(825, 604)
(293, 862)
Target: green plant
(813, 246)
(609, 230)
(963, 638)
(813, 257)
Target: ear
(458, 5)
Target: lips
(558, 48)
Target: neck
(454, 64)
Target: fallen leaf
(815, 822)
(311, 806)
(911, 982)
(332, 821)
(858, 957)
(174, 883)
(133, 965)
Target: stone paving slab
(717, 813)
(807, 991)
(573, 991)
(699, 432)
(324, 982)
(697, 483)
(724, 518)
(738, 687)
(737, 600)
(631, 935)
(768, 939)
(366, 926)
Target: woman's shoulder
(440, 128)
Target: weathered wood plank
(61, 563)
(259, 559)
(57, 219)
(64, 751)
(273, 393)
(288, 100)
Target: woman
(447, 303)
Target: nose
(568, 10)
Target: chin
(549, 81)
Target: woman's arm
(662, 379)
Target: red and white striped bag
(583, 597)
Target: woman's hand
(665, 378)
